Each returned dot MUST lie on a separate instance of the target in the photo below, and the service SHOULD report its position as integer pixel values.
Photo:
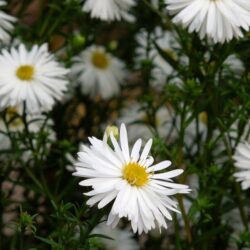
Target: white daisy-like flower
(98, 72)
(140, 125)
(109, 10)
(131, 180)
(220, 20)
(242, 161)
(121, 239)
(33, 77)
(6, 24)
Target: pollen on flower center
(100, 60)
(25, 72)
(135, 174)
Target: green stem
(237, 188)
(46, 23)
(42, 186)
(21, 243)
(35, 180)
(185, 218)
(156, 11)
(26, 128)
(53, 27)
(177, 234)
(243, 214)
(1, 212)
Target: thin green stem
(42, 186)
(177, 234)
(237, 188)
(21, 243)
(156, 11)
(185, 218)
(243, 214)
(1, 212)
(35, 180)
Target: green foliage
(50, 211)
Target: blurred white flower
(155, 3)
(130, 179)
(234, 64)
(220, 20)
(237, 133)
(13, 122)
(146, 49)
(33, 77)
(242, 161)
(140, 125)
(98, 72)
(122, 239)
(233, 218)
(109, 10)
(6, 24)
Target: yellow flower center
(203, 117)
(25, 72)
(13, 118)
(100, 60)
(135, 174)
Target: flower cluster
(145, 104)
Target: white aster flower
(131, 180)
(120, 239)
(140, 125)
(6, 24)
(242, 161)
(98, 72)
(220, 20)
(33, 77)
(109, 10)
